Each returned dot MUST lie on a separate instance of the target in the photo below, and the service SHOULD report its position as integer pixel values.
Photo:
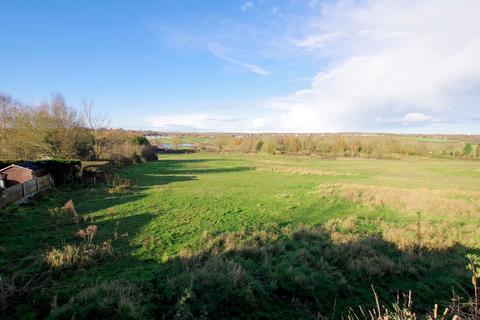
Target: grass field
(257, 235)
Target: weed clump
(117, 299)
(118, 185)
(66, 214)
(74, 256)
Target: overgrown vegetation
(222, 236)
(54, 130)
(343, 145)
(349, 145)
(107, 300)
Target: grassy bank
(248, 235)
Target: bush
(468, 149)
(65, 215)
(120, 161)
(148, 153)
(96, 171)
(141, 141)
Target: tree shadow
(151, 179)
(276, 272)
(302, 273)
(183, 167)
(289, 272)
(168, 171)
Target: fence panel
(43, 182)
(14, 193)
(30, 187)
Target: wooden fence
(23, 191)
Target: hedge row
(62, 171)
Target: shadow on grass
(302, 273)
(183, 167)
(151, 179)
(288, 272)
(169, 171)
(272, 273)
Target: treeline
(54, 130)
(340, 145)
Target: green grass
(184, 210)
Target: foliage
(468, 150)
(141, 141)
(49, 130)
(54, 130)
(347, 145)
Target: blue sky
(259, 65)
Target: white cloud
(258, 123)
(247, 5)
(409, 118)
(193, 122)
(416, 117)
(314, 41)
(382, 65)
(416, 58)
(220, 53)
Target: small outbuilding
(20, 173)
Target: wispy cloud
(194, 122)
(220, 53)
(314, 41)
(409, 118)
(247, 5)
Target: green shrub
(468, 149)
(141, 141)
(148, 153)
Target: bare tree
(97, 124)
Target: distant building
(20, 173)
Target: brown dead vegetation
(298, 170)
(439, 203)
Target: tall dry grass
(298, 170)
(448, 203)
(75, 256)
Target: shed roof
(25, 165)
